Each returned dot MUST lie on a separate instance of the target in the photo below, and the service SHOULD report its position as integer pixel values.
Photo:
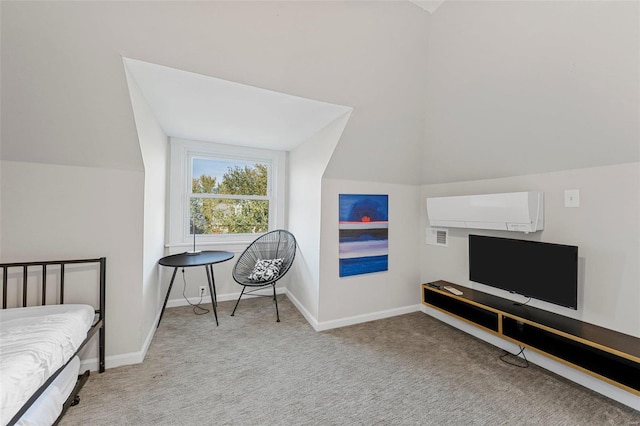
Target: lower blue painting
(364, 234)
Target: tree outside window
(229, 196)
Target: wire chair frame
(278, 244)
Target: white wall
(154, 147)
(382, 56)
(63, 88)
(546, 92)
(366, 297)
(62, 72)
(52, 212)
(307, 164)
(605, 228)
(65, 98)
(526, 87)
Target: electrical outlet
(203, 291)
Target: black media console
(606, 354)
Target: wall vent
(438, 237)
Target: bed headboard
(41, 267)
(28, 269)
(45, 283)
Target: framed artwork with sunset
(364, 234)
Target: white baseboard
(113, 361)
(150, 334)
(357, 319)
(172, 303)
(567, 372)
(305, 313)
(343, 322)
(590, 382)
(124, 359)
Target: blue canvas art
(364, 234)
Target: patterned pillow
(265, 269)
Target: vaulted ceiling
(463, 91)
(198, 107)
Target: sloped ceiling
(429, 5)
(65, 98)
(518, 88)
(197, 107)
(473, 91)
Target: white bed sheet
(34, 343)
(48, 406)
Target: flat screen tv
(534, 269)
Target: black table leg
(213, 280)
(167, 298)
(212, 291)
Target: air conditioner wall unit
(513, 211)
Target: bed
(42, 334)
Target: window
(229, 196)
(223, 193)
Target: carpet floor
(406, 370)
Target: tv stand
(606, 354)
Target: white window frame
(181, 153)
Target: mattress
(48, 406)
(35, 342)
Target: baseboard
(150, 334)
(343, 322)
(138, 357)
(173, 303)
(113, 361)
(305, 313)
(127, 358)
(590, 382)
(357, 319)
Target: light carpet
(406, 370)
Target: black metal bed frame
(97, 327)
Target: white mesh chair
(263, 263)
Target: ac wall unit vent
(438, 237)
(513, 211)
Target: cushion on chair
(265, 269)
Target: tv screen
(534, 269)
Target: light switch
(572, 198)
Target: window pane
(219, 176)
(225, 216)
